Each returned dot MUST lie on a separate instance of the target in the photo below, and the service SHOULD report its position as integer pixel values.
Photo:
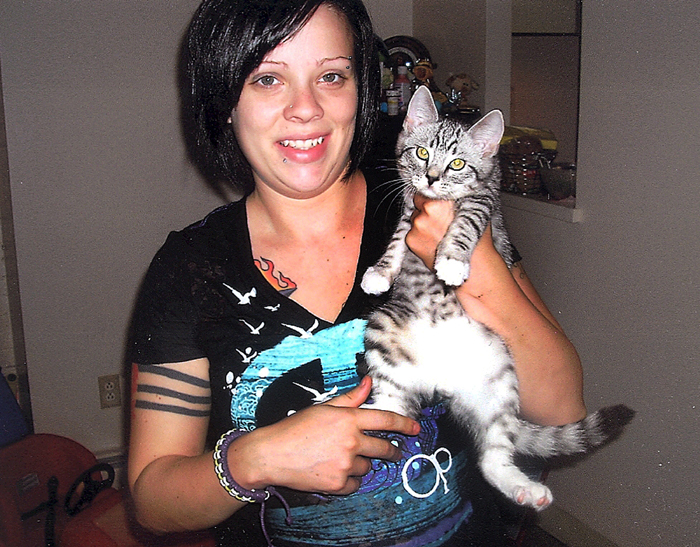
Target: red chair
(37, 474)
(26, 470)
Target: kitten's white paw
(374, 282)
(451, 271)
(534, 495)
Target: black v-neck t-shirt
(204, 297)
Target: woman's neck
(271, 214)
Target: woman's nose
(304, 107)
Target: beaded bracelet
(235, 490)
(223, 473)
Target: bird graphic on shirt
(303, 333)
(248, 355)
(253, 330)
(318, 396)
(243, 299)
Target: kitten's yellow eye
(457, 164)
(422, 153)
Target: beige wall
(625, 281)
(99, 176)
(391, 17)
(454, 31)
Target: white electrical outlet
(110, 390)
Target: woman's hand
(322, 449)
(430, 221)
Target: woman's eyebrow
(320, 62)
(328, 59)
(272, 62)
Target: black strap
(50, 507)
(91, 488)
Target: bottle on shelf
(403, 84)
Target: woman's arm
(172, 479)
(548, 367)
(174, 486)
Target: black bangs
(266, 26)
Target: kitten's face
(443, 159)
(440, 161)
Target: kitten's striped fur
(422, 347)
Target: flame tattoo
(283, 284)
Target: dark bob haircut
(226, 41)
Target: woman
(251, 319)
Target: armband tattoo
(174, 401)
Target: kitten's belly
(460, 354)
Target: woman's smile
(304, 150)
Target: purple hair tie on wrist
(235, 490)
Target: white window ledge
(564, 210)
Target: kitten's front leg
(379, 278)
(455, 250)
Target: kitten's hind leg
(386, 395)
(496, 463)
(495, 439)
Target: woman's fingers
(429, 223)
(378, 448)
(326, 448)
(382, 420)
(355, 397)
(373, 420)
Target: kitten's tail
(593, 431)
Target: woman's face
(295, 119)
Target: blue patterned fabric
(389, 491)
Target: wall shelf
(563, 211)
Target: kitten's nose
(432, 175)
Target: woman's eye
(331, 78)
(266, 80)
(457, 164)
(422, 153)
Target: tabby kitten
(422, 347)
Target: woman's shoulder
(221, 221)
(213, 235)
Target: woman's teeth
(303, 145)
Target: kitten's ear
(487, 133)
(421, 109)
